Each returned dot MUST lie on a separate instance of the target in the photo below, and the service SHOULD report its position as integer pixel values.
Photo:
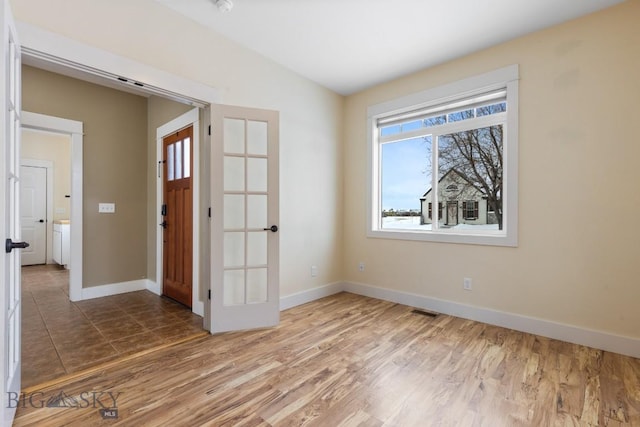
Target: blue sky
(404, 173)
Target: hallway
(60, 337)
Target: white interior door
(10, 215)
(33, 214)
(244, 228)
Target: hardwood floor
(60, 337)
(348, 360)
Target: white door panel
(33, 213)
(244, 240)
(9, 215)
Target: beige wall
(115, 165)
(577, 259)
(310, 115)
(56, 149)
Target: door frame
(74, 129)
(48, 165)
(190, 118)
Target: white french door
(10, 214)
(244, 224)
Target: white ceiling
(349, 45)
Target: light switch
(106, 208)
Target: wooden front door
(178, 216)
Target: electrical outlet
(106, 208)
(466, 284)
(314, 271)
(361, 266)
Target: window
(439, 210)
(470, 209)
(454, 145)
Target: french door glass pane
(257, 137)
(234, 136)
(233, 173)
(233, 249)
(256, 211)
(233, 211)
(256, 285)
(233, 287)
(256, 174)
(257, 248)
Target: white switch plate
(106, 208)
(314, 271)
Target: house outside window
(459, 143)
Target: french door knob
(10, 245)
(273, 228)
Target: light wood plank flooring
(60, 337)
(348, 360)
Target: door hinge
(209, 212)
(209, 129)
(209, 293)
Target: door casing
(74, 129)
(191, 117)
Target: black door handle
(273, 228)
(10, 245)
(163, 224)
(42, 220)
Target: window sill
(499, 238)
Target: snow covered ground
(413, 223)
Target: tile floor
(60, 337)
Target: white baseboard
(154, 287)
(309, 295)
(198, 308)
(573, 334)
(114, 289)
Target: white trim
(154, 287)
(592, 338)
(48, 165)
(74, 129)
(191, 117)
(52, 48)
(303, 297)
(114, 289)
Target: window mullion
(435, 221)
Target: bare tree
(476, 155)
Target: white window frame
(502, 78)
